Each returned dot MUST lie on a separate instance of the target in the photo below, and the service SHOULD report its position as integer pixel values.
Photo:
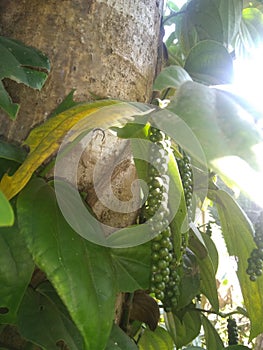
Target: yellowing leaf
(45, 140)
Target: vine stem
(126, 312)
(173, 14)
(221, 314)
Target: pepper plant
(165, 262)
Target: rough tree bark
(105, 47)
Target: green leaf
(215, 119)
(45, 139)
(81, 272)
(16, 268)
(172, 6)
(157, 340)
(119, 340)
(208, 281)
(201, 22)
(183, 330)
(6, 211)
(231, 14)
(237, 231)
(47, 290)
(206, 267)
(130, 236)
(134, 130)
(6, 103)
(132, 266)
(22, 64)
(12, 152)
(7, 166)
(212, 250)
(209, 62)
(193, 348)
(41, 322)
(250, 32)
(73, 207)
(254, 17)
(170, 77)
(190, 280)
(213, 340)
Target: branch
(173, 14)
(221, 314)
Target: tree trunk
(105, 47)
(102, 47)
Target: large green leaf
(208, 281)
(254, 17)
(22, 64)
(231, 14)
(170, 77)
(201, 21)
(47, 290)
(81, 272)
(190, 280)
(250, 32)
(184, 329)
(157, 340)
(119, 340)
(78, 214)
(16, 268)
(132, 266)
(6, 211)
(212, 250)
(206, 267)
(209, 62)
(212, 338)
(237, 231)
(215, 119)
(41, 322)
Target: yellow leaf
(45, 139)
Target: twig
(221, 314)
(173, 14)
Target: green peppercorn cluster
(255, 261)
(164, 276)
(232, 331)
(186, 174)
